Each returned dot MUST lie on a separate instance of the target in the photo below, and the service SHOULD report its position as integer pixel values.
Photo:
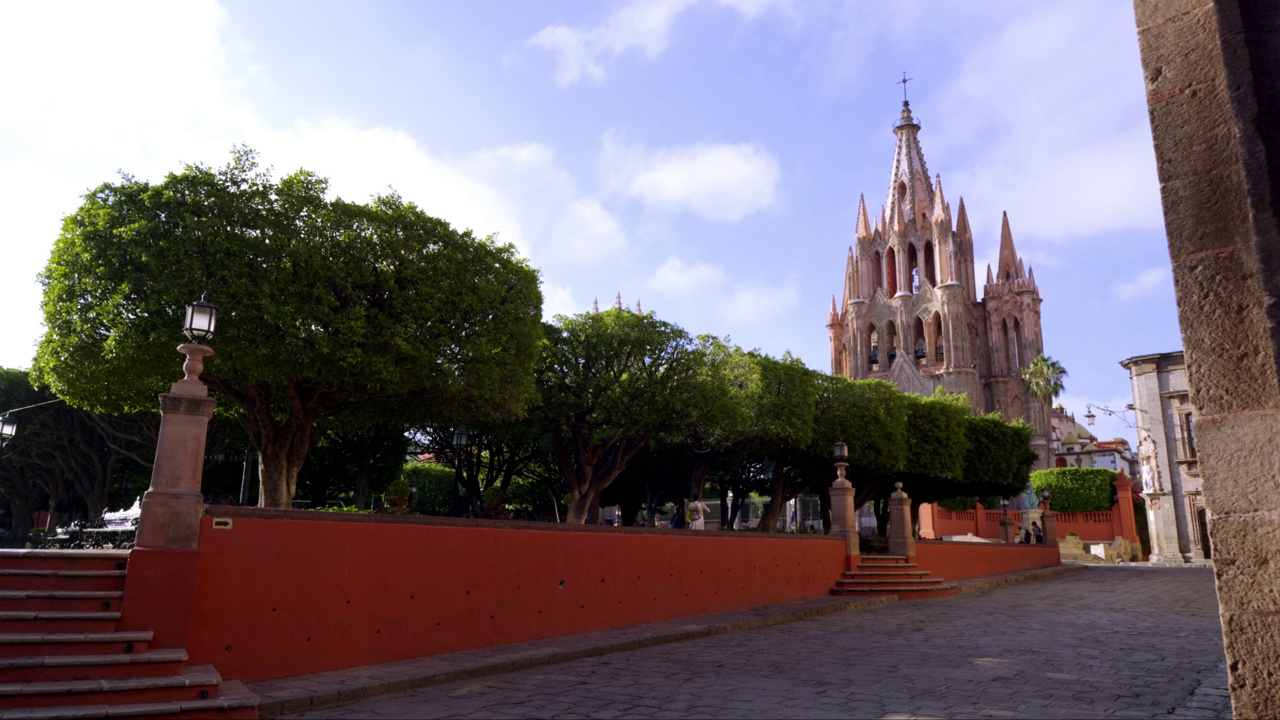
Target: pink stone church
(910, 312)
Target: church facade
(909, 311)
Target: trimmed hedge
(1075, 489)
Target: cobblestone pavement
(1107, 642)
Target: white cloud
(717, 182)
(1143, 283)
(587, 232)
(676, 277)
(558, 300)
(1068, 155)
(758, 304)
(74, 131)
(640, 25)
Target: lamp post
(172, 507)
(1005, 535)
(844, 521)
(460, 439)
(9, 426)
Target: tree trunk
(362, 478)
(282, 446)
(579, 507)
(20, 511)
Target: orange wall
(280, 595)
(960, 560)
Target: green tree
(1044, 377)
(611, 382)
(327, 308)
(998, 457)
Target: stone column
(844, 519)
(1049, 524)
(1214, 103)
(901, 540)
(172, 508)
(1006, 532)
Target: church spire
(1010, 268)
(962, 223)
(910, 192)
(864, 225)
(941, 210)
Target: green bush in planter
(1075, 489)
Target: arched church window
(921, 353)
(873, 343)
(938, 341)
(913, 267)
(1018, 355)
(891, 342)
(891, 271)
(877, 272)
(930, 270)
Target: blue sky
(702, 156)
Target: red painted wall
(281, 595)
(960, 560)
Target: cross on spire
(903, 82)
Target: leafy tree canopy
(327, 308)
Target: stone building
(1072, 445)
(909, 310)
(1167, 463)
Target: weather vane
(903, 82)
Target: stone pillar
(1124, 507)
(1006, 529)
(1049, 524)
(901, 540)
(1214, 103)
(172, 508)
(844, 519)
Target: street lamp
(840, 452)
(8, 428)
(460, 439)
(201, 318)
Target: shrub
(435, 487)
(1075, 489)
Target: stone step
(877, 582)
(69, 600)
(903, 593)
(20, 645)
(115, 666)
(23, 579)
(199, 682)
(885, 573)
(886, 566)
(233, 701)
(883, 559)
(56, 621)
(63, 559)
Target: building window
(1186, 435)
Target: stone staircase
(891, 575)
(63, 656)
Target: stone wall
(1213, 81)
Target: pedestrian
(698, 514)
(1038, 533)
(677, 516)
(1024, 535)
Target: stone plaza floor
(1125, 642)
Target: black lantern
(201, 317)
(840, 452)
(460, 437)
(8, 427)
(1089, 417)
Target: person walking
(698, 514)
(678, 516)
(1038, 533)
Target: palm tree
(1044, 377)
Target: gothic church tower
(909, 310)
